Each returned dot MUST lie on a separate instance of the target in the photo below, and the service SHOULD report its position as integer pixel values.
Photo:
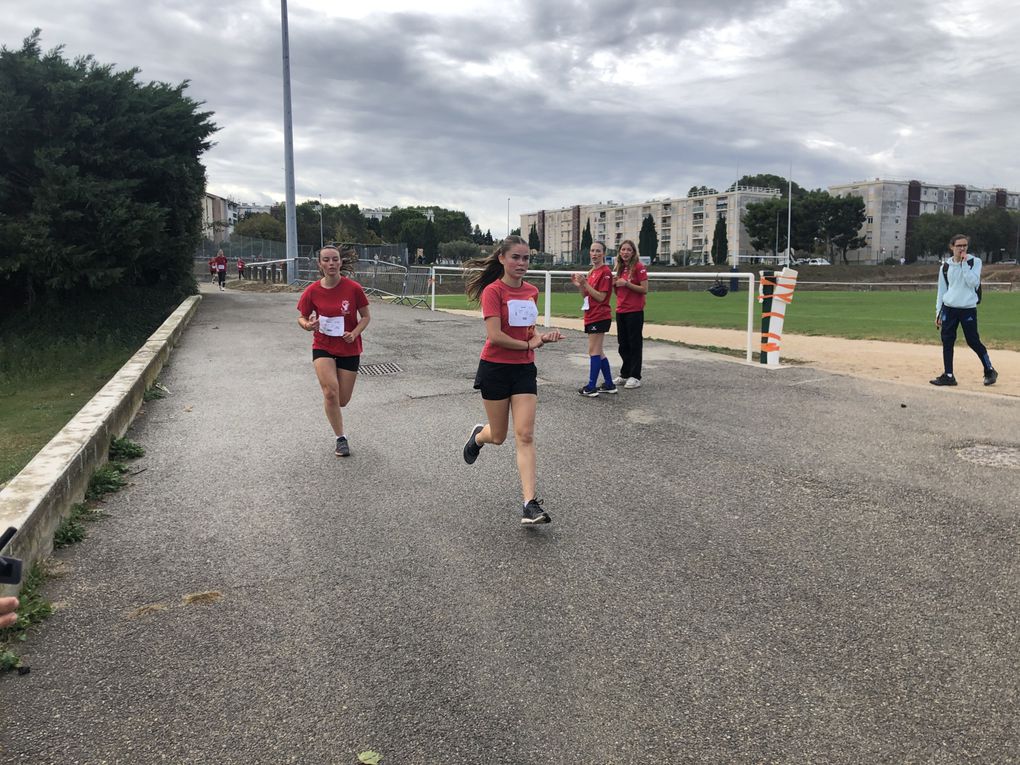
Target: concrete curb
(37, 499)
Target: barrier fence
(547, 277)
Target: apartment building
(219, 216)
(684, 225)
(892, 207)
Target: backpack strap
(945, 273)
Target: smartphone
(10, 568)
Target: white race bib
(331, 325)
(521, 313)
(584, 305)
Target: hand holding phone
(10, 568)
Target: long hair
(348, 258)
(601, 244)
(619, 259)
(488, 269)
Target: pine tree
(586, 238)
(648, 239)
(534, 243)
(720, 243)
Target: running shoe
(632, 383)
(604, 389)
(991, 376)
(342, 447)
(589, 392)
(944, 379)
(472, 447)
(533, 513)
(619, 380)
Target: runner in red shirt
(506, 373)
(212, 269)
(336, 310)
(240, 268)
(631, 282)
(595, 290)
(221, 268)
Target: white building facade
(219, 216)
(684, 226)
(891, 207)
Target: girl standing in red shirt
(598, 317)
(506, 373)
(336, 310)
(631, 284)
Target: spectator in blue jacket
(956, 306)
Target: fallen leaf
(187, 409)
(210, 596)
(369, 758)
(151, 608)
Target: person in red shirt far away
(506, 373)
(221, 269)
(595, 289)
(240, 268)
(335, 310)
(631, 283)
(212, 269)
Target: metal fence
(265, 250)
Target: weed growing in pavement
(33, 609)
(107, 479)
(125, 449)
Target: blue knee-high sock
(594, 363)
(606, 374)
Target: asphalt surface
(744, 566)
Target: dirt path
(874, 359)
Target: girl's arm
(365, 318)
(497, 336)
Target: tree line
(100, 180)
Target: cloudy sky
(552, 103)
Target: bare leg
(329, 380)
(498, 415)
(523, 406)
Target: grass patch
(72, 528)
(125, 449)
(106, 480)
(907, 317)
(33, 609)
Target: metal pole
(548, 299)
(288, 144)
(778, 213)
(508, 216)
(789, 218)
(320, 221)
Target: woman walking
(335, 309)
(631, 282)
(595, 288)
(506, 375)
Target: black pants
(629, 329)
(966, 318)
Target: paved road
(743, 566)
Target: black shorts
(598, 327)
(350, 363)
(499, 381)
(222, 275)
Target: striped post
(774, 293)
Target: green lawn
(899, 316)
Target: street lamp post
(320, 221)
(508, 216)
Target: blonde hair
(488, 269)
(619, 258)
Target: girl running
(631, 284)
(336, 310)
(598, 316)
(506, 373)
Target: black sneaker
(991, 376)
(342, 448)
(604, 389)
(533, 513)
(589, 392)
(945, 379)
(472, 447)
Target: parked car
(1006, 263)
(817, 262)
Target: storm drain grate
(377, 370)
(991, 455)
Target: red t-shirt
(212, 265)
(221, 262)
(345, 299)
(240, 264)
(600, 279)
(509, 304)
(627, 300)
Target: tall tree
(98, 173)
(930, 235)
(534, 243)
(763, 221)
(700, 190)
(261, 226)
(430, 242)
(843, 224)
(586, 238)
(648, 239)
(720, 242)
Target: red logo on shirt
(345, 306)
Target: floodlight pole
(288, 149)
(789, 218)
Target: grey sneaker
(945, 379)
(991, 376)
(533, 513)
(589, 392)
(604, 389)
(342, 447)
(472, 447)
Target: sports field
(896, 316)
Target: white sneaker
(619, 380)
(632, 382)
